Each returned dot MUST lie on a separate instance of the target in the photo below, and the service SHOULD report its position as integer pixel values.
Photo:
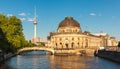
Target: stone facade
(70, 35)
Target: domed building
(70, 35)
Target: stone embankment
(82, 52)
(110, 55)
(4, 57)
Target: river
(38, 60)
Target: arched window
(72, 38)
(72, 45)
(60, 43)
(86, 43)
(73, 30)
(76, 30)
(66, 45)
(66, 38)
(78, 44)
(56, 45)
(63, 31)
(59, 30)
(60, 39)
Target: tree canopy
(4, 45)
(119, 44)
(13, 31)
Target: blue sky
(96, 15)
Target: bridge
(78, 51)
(35, 48)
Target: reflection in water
(72, 62)
(38, 60)
(69, 62)
(5, 66)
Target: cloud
(8, 15)
(92, 14)
(31, 19)
(22, 14)
(23, 19)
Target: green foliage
(87, 32)
(12, 28)
(4, 45)
(41, 44)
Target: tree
(119, 44)
(4, 45)
(12, 28)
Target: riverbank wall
(82, 52)
(6, 57)
(110, 55)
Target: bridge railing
(90, 47)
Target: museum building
(70, 35)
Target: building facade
(70, 35)
(37, 40)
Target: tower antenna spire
(35, 21)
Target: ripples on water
(38, 60)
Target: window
(60, 39)
(66, 38)
(60, 43)
(72, 44)
(63, 31)
(68, 30)
(76, 30)
(73, 30)
(72, 38)
(56, 44)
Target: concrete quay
(6, 57)
(110, 55)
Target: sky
(93, 15)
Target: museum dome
(69, 22)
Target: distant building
(107, 40)
(37, 40)
(70, 35)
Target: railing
(112, 48)
(64, 48)
(35, 48)
(89, 47)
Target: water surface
(38, 60)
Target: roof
(101, 34)
(69, 22)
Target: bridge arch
(35, 48)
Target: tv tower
(35, 23)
